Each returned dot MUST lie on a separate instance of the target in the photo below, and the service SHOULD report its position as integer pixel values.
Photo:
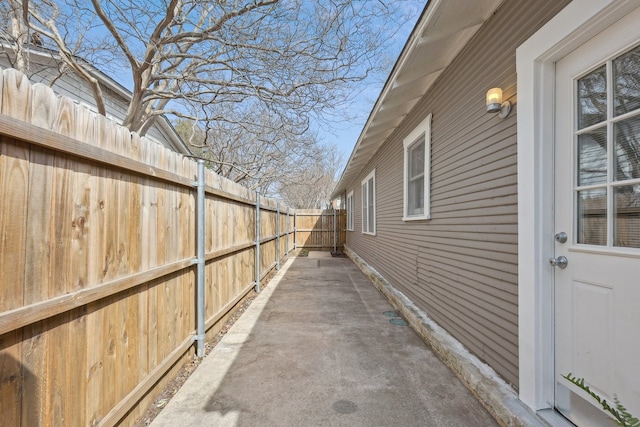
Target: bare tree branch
(186, 53)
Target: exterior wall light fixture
(495, 104)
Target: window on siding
(369, 204)
(417, 182)
(350, 211)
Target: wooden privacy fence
(320, 229)
(100, 260)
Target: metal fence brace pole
(257, 269)
(278, 237)
(335, 232)
(295, 230)
(286, 241)
(200, 333)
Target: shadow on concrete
(319, 347)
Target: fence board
(14, 181)
(35, 346)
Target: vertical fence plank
(173, 232)
(14, 181)
(188, 242)
(77, 122)
(151, 240)
(119, 306)
(11, 378)
(137, 309)
(16, 95)
(163, 294)
(95, 366)
(59, 282)
(144, 240)
(38, 241)
(95, 223)
(109, 209)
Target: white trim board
(535, 63)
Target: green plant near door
(622, 417)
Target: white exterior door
(597, 205)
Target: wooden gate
(320, 229)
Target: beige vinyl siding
(461, 265)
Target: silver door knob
(560, 262)
(561, 237)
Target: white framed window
(350, 211)
(417, 172)
(369, 203)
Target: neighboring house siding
(461, 265)
(77, 89)
(73, 87)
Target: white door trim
(535, 62)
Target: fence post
(278, 237)
(200, 333)
(295, 230)
(286, 242)
(335, 231)
(257, 268)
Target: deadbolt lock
(561, 237)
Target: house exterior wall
(460, 266)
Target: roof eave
(442, 31)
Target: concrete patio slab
(320, 346)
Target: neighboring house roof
(117, 96)
(443, 29)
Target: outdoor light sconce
(495, 104)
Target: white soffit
(443, 30)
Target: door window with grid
(607, 135)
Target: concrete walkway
(320, 346)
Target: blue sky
(344, 133)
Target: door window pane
(592, 157)
(592, 217)
(592, 98)
(626, 77)
(627, 216)
(627, 134)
